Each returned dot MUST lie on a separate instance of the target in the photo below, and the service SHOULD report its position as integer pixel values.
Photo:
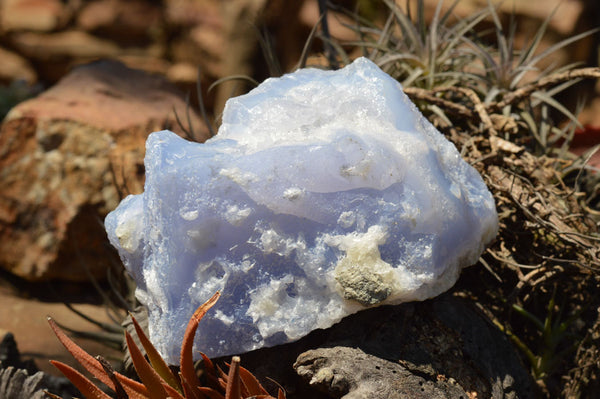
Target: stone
(324, 193)
(189, 13)
(146, 63)
(350, 373)
(33, 15)
(14, 67)
(130, 23)
(60, 157)
(66, 44)
(183, 73)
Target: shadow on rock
(441, 348)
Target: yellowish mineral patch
(125, 232)
(361, 274)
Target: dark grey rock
(350, 373)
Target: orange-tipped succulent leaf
(85, 386)
(158, 363)
(187, 361)
(134, 389)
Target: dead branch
(548, 81)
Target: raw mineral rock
(34, 15)
(60, 154)
(324, 193)
(14, 67)
(69, 44)
(129, 23)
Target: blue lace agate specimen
(324, 193)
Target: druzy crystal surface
(323, 193)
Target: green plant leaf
(530, 316)
(554, 48)
(544, 97)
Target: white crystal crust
(324, 192)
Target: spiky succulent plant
(158, 381)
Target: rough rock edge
(350, 373)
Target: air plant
(158, 380)
(416, 53)
(448, 70)
(554, 339)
